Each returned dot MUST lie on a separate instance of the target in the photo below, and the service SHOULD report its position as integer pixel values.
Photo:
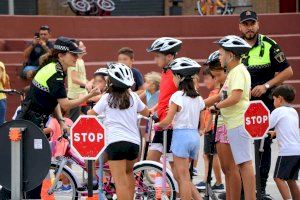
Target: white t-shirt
(285, 120)
(121, 125)
(188, 116)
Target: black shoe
(222, 196)
(265, 196)
(84, 187)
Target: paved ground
(271, 186)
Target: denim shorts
(185, 143)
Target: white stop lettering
(256, 119)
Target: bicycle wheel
(106, 5)
(148, 178)
(67, 192)
(79, 6)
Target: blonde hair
(4, 77)
(154, 77)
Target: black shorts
(122, 151)
(209, 140)
(287, 167)
(159, 136)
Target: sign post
(256, 124)
(88, 141)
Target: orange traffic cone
(45, 187)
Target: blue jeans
(2, 111)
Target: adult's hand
(258, 90)
(94, 92)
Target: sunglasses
(45, 27)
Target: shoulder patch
(280, 57)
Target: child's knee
(278, 180)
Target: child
(285, 120)
(207, 128)
(99, 80)
(151, 86)
(76, 83)
(230, 170)
(236, 93)
(126, 56)
(121, 106)
(184, 108)
(165, 50)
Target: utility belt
(31, 114)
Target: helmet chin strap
(226, 63)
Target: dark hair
(45, 28)
(187, 85)
(52, 57)
(215, 66)
(118, 98)
(287, 92)
(207, 72)
(127, 51)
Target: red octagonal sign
(87, 137)
(256, 119)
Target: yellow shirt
(2, 95)
(74, 90)
(238, 78)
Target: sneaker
(64, 189)
(84, 187)
(222, 196)
(201, 185)
(218, 188)
(265, 196)
(195, 172)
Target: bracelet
(61, 120)
(215, 106)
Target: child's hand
(202, 132)
(272, 134)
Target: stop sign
(87, 137)
(256, 119)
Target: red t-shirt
(167, 88)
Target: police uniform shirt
(262, 73)
(263, 61)
(47, 86)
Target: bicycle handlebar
(11, 91)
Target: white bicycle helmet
(234, 44)
(213, 57)
(101, 71)
(120, 75)
(184, 67)
(165, 45)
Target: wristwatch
(267, 86)
(61, 120)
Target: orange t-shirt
(207, 114)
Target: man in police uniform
(268, 68)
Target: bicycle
(147, 175)
(13, 91)
(223, 7)
(89, 7)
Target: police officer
(47, 94)
(268, 68)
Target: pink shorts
(221, 135)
